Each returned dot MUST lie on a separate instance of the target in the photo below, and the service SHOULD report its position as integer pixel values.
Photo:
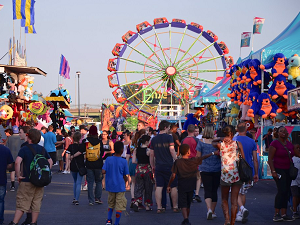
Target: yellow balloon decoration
(6, 112)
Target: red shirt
(191, 141)
(281, 158)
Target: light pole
(78, 74)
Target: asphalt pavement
(57, 207)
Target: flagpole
(25, 51)
(240, 52)
(13, 47)
(252, 41)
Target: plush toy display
(278, 65)
(264, 108)
(294, 70)
(190, 119)
(280, 87)
(255, 73)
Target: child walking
(116, 170)
(186, 169)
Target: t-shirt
(41, 143)
(5, 159)
(296, 161)
(13, 143)
(268, 140)
(175, 137)
(59, 138)
(93, 164)
(73, 148)
(49, 141)
(27, 156)
(281, 158)
(116, 168)
(249, 146)
(186, 170)
(160, 144)
(24, 144)
(141, 155)
(212, 163)
(192, 142)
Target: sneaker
(91, 203)
(73, 200)
(12, 188)
(135, 207)
(108, 222)
(25, 223)
(245, 213)
(76, 202)
(201, 185)
(98, 201)
(238, 218)
(277, 218)
(197, 198)
(214, 215)
(209, 215)
(64, 172)
(84, 188)
(296, 215)
(12, 223)
(287, 218)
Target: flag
(18, 9)
(30, 29)
(1, 6)
(64, 69)
(245, 39)
(257, 26)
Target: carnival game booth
(18, 101)
(262, 81)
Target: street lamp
(78, 74)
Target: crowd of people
(168, 161)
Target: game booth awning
(203, 92)
(218, 93)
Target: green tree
(131, 123)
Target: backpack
(92, 152)
(40, 173)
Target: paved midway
(57, 207)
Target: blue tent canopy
(202, 92)
(287, 42)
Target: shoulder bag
(82, 170)
(245, 170)
(293, 171)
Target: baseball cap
(15, 129)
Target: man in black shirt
(268, 138)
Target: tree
(131, 123)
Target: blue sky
(86, 32)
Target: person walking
(250, 152)
(192, 141)
(210, 170)
(144, 176)
(108, 147)
(116, 170)
(13, 143)
(229, 151)
(6, 162)
(93, 148)
(49, 143)
(132, 166)
(68, 142)
(268, 139)
(280, 153)
(162, 150)
(29, 197)
(77, 161)
(59, 149)
(186, 169)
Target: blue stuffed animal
(280, 87)
(278, 65)
(255, 73)
(190, 120)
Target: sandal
(159, 211)
(176, 210)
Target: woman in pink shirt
(280, 153)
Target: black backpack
(40, 173)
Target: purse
(82, 170)
(293, 171)
(245, 170)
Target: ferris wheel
(163, 64)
